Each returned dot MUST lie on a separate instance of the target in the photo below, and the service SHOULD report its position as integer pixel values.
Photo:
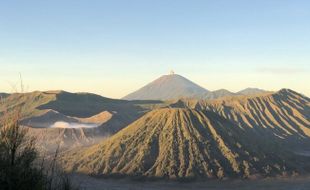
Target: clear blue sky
(114, 47)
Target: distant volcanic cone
(167, 87)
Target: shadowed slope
(251, 91)
(181, 143)
(81, 105)
(79, 111)
(44, 108)
(47, 119)
(218, 94)
(66, 131)
(225, 93)
(4, 95)
(85, 104)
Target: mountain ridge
(251, 91)
(285, 113)
(46, 113)
(178, 143)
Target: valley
(295, 183)
(208, 135)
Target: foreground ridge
(182, 143)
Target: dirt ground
(296, 183)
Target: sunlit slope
(168, 87)
(29, 101)
(182, 143)
(284, 114)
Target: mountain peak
(251, 91)
(171, 86)
(286, 91)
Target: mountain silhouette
(168, 87)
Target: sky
(115, 47)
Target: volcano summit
(172, 86)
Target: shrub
(19, 158)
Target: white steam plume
(62, 124)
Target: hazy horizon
(15, 85)
(114, 48)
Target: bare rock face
(180, 143)
(167, 87)
(284, 114)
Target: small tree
(17, 153)
(19, 158)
